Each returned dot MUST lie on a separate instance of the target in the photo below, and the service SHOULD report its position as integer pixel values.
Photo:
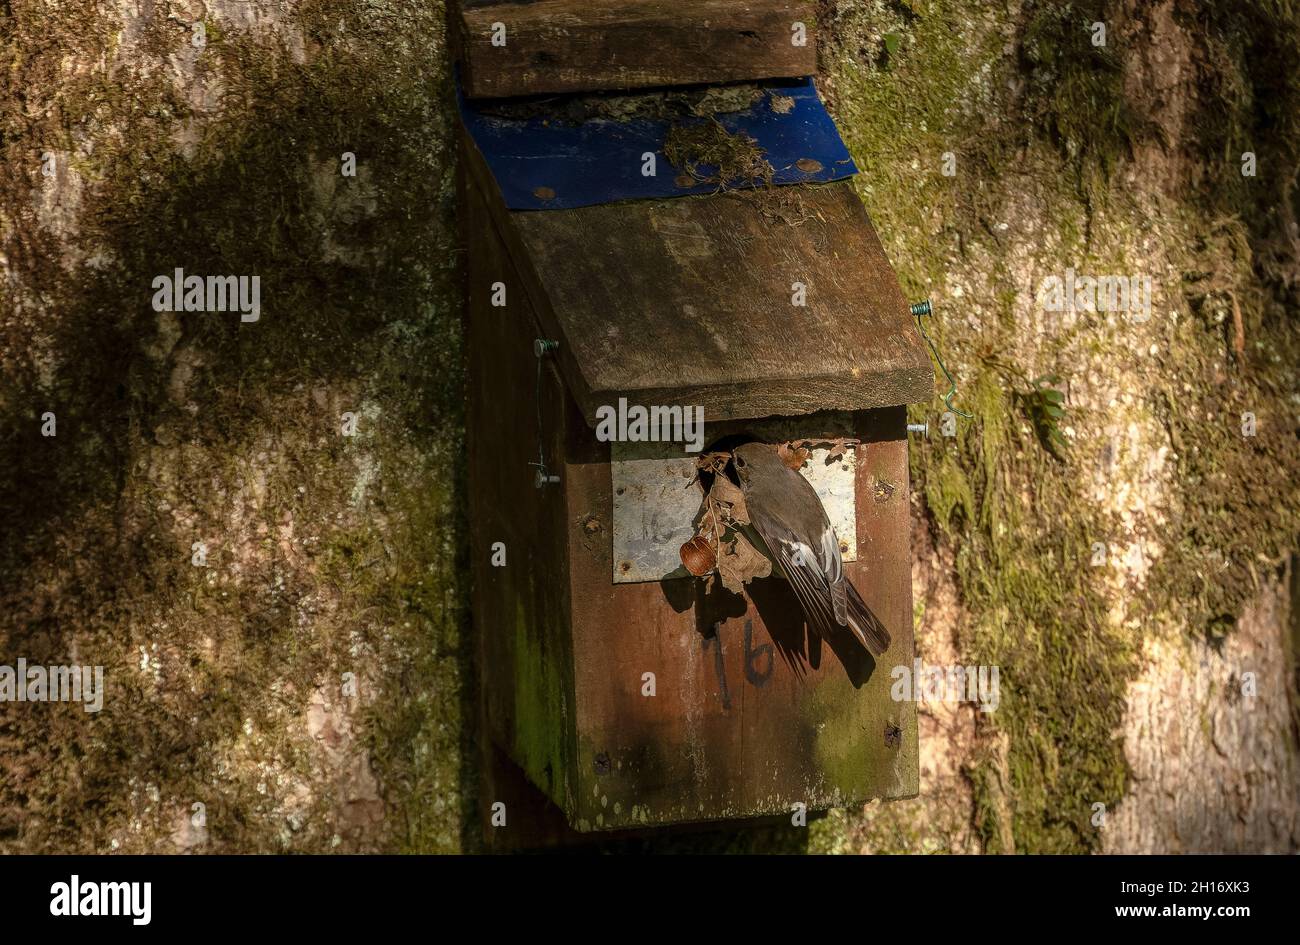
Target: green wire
(923, 308)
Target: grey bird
(788, 516)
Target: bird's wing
(815, 593)
(832, 565)
(802, 567)
(820, 552)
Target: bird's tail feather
(865, 625)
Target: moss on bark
(1046, 132)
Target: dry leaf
(724, 490)
(712, 462)
(836, 448)
(740, 563)
(724, 505)
(792, 455)
(736, 562)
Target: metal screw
(921, 308)
(545, 479)
(603, 764)
(921, 428)
(544, 346)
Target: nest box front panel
(701, 705)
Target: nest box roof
(691, 301)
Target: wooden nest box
(600, 273)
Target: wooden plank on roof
(551, 46)
(690, 301)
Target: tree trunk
(256, 527)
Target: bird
(788, 516)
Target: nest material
(721, 549)
(733, 159)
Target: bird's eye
(739, 461)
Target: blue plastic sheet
(548, 164)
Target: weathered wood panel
(521, 610)
(551, 46)
(690, 301)
(751, 715)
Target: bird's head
(750, 457)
